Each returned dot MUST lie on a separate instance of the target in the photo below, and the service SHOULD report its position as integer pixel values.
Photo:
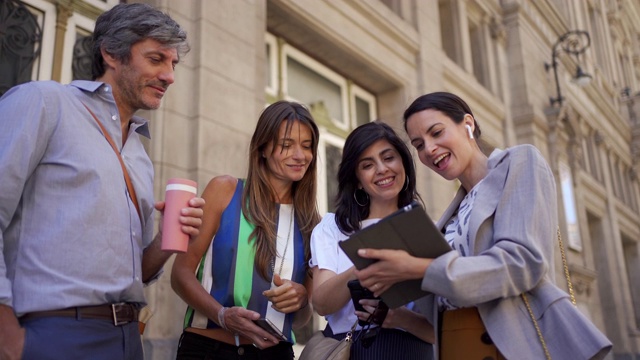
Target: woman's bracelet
(221, 317)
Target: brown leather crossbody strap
(127, 179)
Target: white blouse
(457, 234)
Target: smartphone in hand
(359, 292)
(267, 325)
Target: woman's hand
(401, 317)
(239, 320)
(393, 319)
(375, 312)
(392, 266)
(287, 296)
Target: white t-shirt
(326, 254)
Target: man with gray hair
(76, 196)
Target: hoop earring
(355, 197)
(406, 184)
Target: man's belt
(120, 314)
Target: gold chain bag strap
(571, 295)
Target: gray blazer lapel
(487, 198)
(486, 201)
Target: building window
(467, 40)
(477, 55)
(333, 155)
(633, 194)
(569, 204)
(271, 68)
(311, 83)
(597, 45)
(593, 156)
(82, 58)
(77, 57)
(449, 33)
(26, 41)
(362, 106)
(20, 44)
(614, 170)
(632, 262)
(336, 103)
(622, 183)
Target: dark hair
(127, 24)
(447, 103)
(348, 213)
(258, 200)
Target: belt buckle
(115, 308)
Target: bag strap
(127, 179)
(566, 269)
(349, 335)
(535, 325)
(571, 295)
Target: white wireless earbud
(469, 131)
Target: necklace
(286, 245)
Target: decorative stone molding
(320, 113)
(498, 31)
(598, 137)
(582, 279)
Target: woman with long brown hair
(250, 261)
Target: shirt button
(106, 89)
(133, 233)
(137, 278)
(114, 117)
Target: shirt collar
(90, 86)
(140, 125)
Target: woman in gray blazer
(502, 225)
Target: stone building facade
(353, 61)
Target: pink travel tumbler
(177, 196)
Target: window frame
(574, 239)
(103, 5)
(289, 51)
(326, 137)
(357, 91)
(43, 68)
(272, 85)
(76, 21)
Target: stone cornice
(84, 8)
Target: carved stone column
(64, 10)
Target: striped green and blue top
(227, 270)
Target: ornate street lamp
(574, 42)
